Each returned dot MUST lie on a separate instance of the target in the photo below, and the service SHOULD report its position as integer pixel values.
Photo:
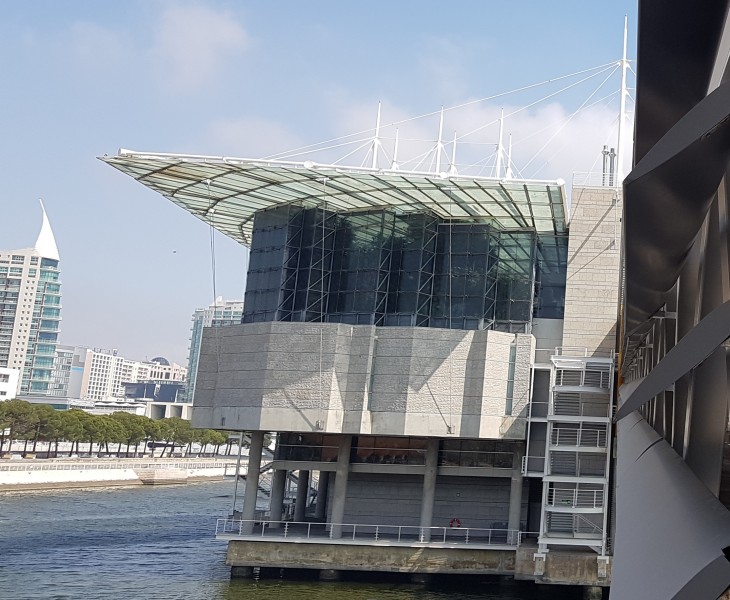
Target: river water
(157, 543)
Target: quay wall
(33, 475)
(560, 567)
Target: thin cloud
(249, 137)
(194, 44)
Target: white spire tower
(46, 243)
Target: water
(157, 543)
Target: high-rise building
(220, 313)
(30, 311)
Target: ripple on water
(156, 543)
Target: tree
(46, 418)
(18, 417)
(218, 439)
(70, 428)
(134, 431)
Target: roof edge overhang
(226, 192)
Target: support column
(515, 494)
(339, 495)
(278, 483)
(429, 488)
(252, 482)
(241, 572)
(300, 508)
(322, 487)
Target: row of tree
(33, 423)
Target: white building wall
(9, 383)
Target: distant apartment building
(220, 313)
(95, 374)
(30, 311)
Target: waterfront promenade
(34, 474)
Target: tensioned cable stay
(319, 146)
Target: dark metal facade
(672, 530)
(378, 267)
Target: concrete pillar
(322, 487)
(241, 572)
(300, 507)
(429, 488)
(515, 493)
(252, 481)
(339, 495)
(592, 592)
(278, 484)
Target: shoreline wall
(32, 475)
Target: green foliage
(40, 422)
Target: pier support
(252, 482)
(429, 488)
(592, 592)
(241, 572)
(329, 575)
(339, 495)
(278, 484)
(300, 507)
(515, 493)
(322, 488)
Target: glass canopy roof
(227, 192)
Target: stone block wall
(594, 254)
(363, 379)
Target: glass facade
(380, 267)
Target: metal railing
(596, 179)
(583, 378)
(475, 458)
(402, 534)
(33, 466)
(587, 438)
(570, 407)
(533, 464)
(575, 498)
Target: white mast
(439, 144)
(376, 140)
(508, 169)
(499, 145)
(452, 168)
(394, 164)
(622, 112)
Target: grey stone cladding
(361, 379)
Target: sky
(253, 79)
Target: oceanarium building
(434, 352)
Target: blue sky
(84, 78)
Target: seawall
(41, 475)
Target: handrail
(575, 498)
(402, 534)
(587, 438)
(33, 466)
